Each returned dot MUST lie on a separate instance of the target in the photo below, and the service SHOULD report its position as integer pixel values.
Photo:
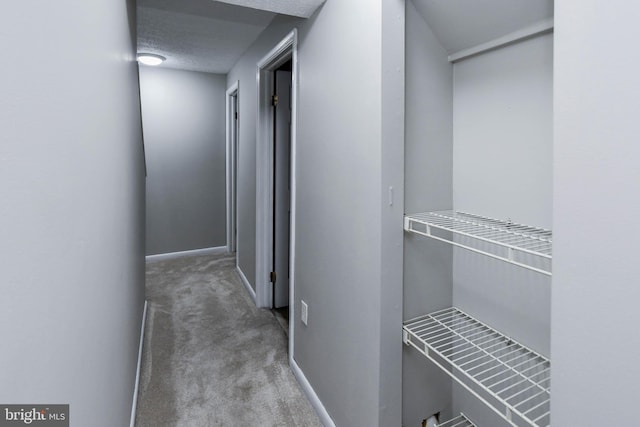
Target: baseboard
(134, 406)
(246, 284)
(325, 419)
(195, 252)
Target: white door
(282, 187)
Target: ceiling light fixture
(150, 59)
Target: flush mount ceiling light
(150, 59)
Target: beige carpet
(210, 357)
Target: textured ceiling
(299, 8)
(198, 35)
(461, 24)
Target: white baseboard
(325, 419)
(246, 284)
(134, 406)
(195, 252)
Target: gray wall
(350, 352)
(244, 71)
(428, 186)
(72, 191)
(596, 214)
(184, 130)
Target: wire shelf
(518, 244)
(513, 380)
(459, 421)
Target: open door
(281, 185)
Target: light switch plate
(304, 312)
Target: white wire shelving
(511, 379)
(518, 244)
(459, 421)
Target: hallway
(211, 358)
(487, 108)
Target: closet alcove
(478, 204)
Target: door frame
(232, 129)
(286, 49)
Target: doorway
(232, 127)
(274, 213)
(281, 191)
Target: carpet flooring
(210, 357)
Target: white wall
(595, 339)
(393, 96)
(502, 160)
(502, 167)
(346, 352)
(72, 191)
(184, 131)
(428, 186)
(503, 133)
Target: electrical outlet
(304, 312)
